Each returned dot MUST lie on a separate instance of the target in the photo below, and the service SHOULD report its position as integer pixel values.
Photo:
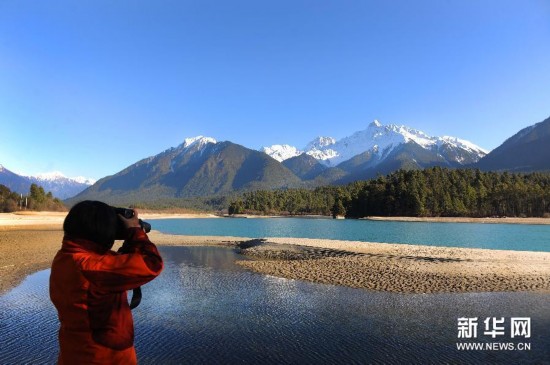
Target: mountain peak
(281, 152)
(54, 175)
(320, 142)
(375, 123)
(198, 140)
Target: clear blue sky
(90, 87)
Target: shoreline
(28, 243)
(375, 266)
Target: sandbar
(400, 268)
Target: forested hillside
(431, 192)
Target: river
(205, 309)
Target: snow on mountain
(56, 176)
(379, 139)
(84, 180)
(320, 143)
(316, 148)
(60, 185)
(197, 142)
(281, 152)
(463, 144)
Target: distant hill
(59, 185)
(198, 167)
(526, 151)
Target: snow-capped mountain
(197, 143)
(281, 152)
(59, 185)
(59, 177)
(380, 141)
(320, 143)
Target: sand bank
(401, 268)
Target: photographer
(88, 283)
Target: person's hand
(130, 222)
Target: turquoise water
(518, 237)
(205, 309)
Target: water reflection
(205, 309)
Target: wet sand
(24, 251)
(29, 244)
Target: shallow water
(205, 309)
(519, 237)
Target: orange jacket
(88, 285)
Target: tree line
(36, 199)
(433, 192)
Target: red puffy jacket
(88, 285)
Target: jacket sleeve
(137, 262)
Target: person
(88, 284)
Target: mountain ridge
(380, 140)
(203, 167)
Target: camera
(128, 213)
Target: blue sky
(90, 87)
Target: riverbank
(32, 218)
(501, 220)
